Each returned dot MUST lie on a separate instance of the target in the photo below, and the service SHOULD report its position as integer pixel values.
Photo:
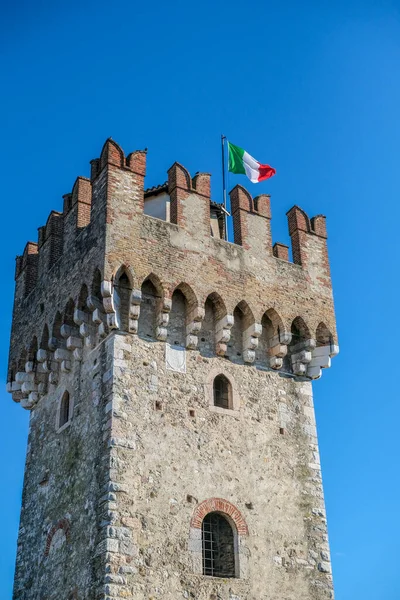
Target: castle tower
(172, 447)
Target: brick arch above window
(61, 524)
(223, 506)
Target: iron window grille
(221, 392)
(218, 546)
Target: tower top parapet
(111, 227)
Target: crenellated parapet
(304, 232)
(26, 267)
(153, 264)
(251, 219)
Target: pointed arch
(44, 340)
(247, 313)
(156, 281)
(22, 360)
(184, 301)
(32, 351)
(243, 318)
(95, 289)
(219, 305)
(122, 290)
(214, 310)
(124, 271)
(56, 329)
(83, 296)
(12, 371)
(272, 330)
(323, 336)
(152, 294)
(177, 319)
(277, 322)
(69, 313)
(300, 331)
(189, 294)
(264, 341)
(300, 335)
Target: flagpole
(223, 138)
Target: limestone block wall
(134, 316)
(170, 453)
(102, 229)
(64, 479)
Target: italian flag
(241, 162)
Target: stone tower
(172, 447)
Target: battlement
(61, 229)
(89, 271)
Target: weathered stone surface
(162, 308)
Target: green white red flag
(241, 162)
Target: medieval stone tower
(172, 448)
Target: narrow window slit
(64, 415)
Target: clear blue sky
(313, 88)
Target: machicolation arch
(223, 319)
(158, 315)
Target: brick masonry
(219, 505)
(118, 493)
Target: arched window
(222, 392)
(65, 410)
(218, 546)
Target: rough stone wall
(64, 479)
(189, 254)
(145, 447)
(166, 462)
(64, 280)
